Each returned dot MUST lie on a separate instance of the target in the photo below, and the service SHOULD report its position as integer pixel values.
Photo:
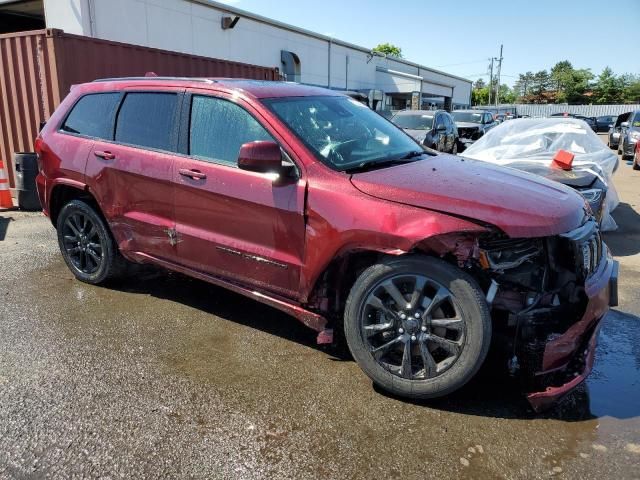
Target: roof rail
(185, 79)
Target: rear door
(90, 118)
(130, 173)
(230, 222)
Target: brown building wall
(37, 68)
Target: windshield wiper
(413, 154)
(365, 166)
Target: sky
(460, 36)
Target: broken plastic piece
(325, 337)
(563, 160)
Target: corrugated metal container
(37, 68)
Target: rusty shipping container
(37, 69)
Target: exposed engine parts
(535, 288)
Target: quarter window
(92, 116)
(218, 128)
(147, 120)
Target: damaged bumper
(568, 359)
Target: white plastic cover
(539, 139)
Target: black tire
(86, 244)
(467, 302)
(635, 160)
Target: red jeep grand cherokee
(308, 201)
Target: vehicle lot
(168, 376)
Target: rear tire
(440, 336)
(86, 244)
(636, 166)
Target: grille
(468, 132)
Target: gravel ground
(164, 376)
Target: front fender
(341, 221)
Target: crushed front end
(548, 297)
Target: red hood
(520, 204)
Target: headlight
(594, 197)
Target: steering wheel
(336, 151)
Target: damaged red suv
(308, 201)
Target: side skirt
(310, 319)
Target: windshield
(413, 121)
(341, 132)
(470, 117)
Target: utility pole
(490, 80)
(499, 69)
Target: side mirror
(624, 125)
(263, 157)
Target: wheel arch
(63, 192)
(331, 288)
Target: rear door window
(92, 116)
(147, 120)
(218, 128)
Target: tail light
(38, 149)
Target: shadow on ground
(492, 393)
(219, 302)
(628, 221)
(4, 226)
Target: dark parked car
(432, 128)
(308, 201)
(591, 121)
(629, 135)
(472, 124)
(604, 122)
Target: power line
(463, 63)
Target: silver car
(629, 135)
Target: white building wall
(191, 27)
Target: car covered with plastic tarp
(532, 144)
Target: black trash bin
(26, 169)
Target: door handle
(195, 174)
(106, 155)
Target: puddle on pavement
(612, 390)
(614, 384)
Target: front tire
(417, 326)
(87, 245)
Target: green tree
(480, 83)
(631, 93)
(561, 74)
(522, 86)
(540, 83)
(480, 96)
(608, 88)
(576, 86)
(388, 49)
(507, 95)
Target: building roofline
(259, 18)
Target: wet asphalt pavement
(164, 376)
